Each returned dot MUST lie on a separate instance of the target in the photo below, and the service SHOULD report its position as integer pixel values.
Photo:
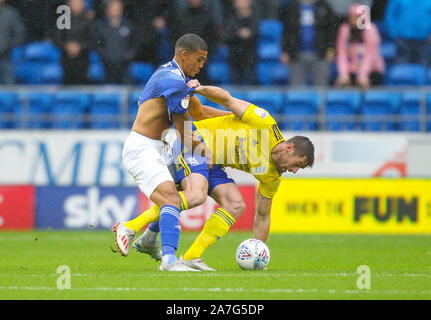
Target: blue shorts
(187, 163)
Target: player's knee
(235, 208)
(172, 198)
(196, 198)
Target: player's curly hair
(303, 147)
(190, 42)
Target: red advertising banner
(194, 219)
(17, 207)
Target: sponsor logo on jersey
(261, 113)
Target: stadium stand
(410, 110)
(69, 110)
(407, 74)
(404, 103)
(341, 109)
(104, 111)
(378, 111)
(301, 110)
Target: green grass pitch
(301, 267)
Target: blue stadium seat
(8, 104)
(133, 106)
(428, 112)
(388, 50)
(69, 109)
(407, 74)
(105, 111)
(220, 54)
(36, 72)
(410, 111)
(17, 55)
(270, 100)
(377, 110)
(341, 108)
(50, 73)
(268, 51)
(44, 51)
(301, 110)
(383, 30)
(96, 70)
(272, 73)
(219, 72)
(140, 72)
(270, 30)
(38, 105)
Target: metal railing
(22, 116)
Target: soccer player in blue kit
(165, 101)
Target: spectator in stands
(378, 10)
(196, 18)
(39, 17)
(410, 25)
(359, 61)
(12, 34)
(241, 36)
(114, 43)
(308, 40)
(267, 9)
(149, 18)
(75, 44)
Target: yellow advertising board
(352, 206)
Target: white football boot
(123, 237)
(197, 264)
(176, 266)
(150, 247)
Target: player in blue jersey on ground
(165, 101)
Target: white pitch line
(221, 290)
(239, 274)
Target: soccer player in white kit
(166, 100)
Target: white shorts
(147, 161)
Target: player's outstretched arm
(221, 96)
(262, 218)
(201, 112)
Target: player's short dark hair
(303, 148)
(190, 42)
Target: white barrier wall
(94, 157)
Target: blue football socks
(169, 225)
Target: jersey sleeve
(259, 118)
(268, 188)
(176, 93)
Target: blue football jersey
(169, 81)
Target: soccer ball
(252, 254)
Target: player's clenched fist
(193, 83)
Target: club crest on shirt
(185, 102)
